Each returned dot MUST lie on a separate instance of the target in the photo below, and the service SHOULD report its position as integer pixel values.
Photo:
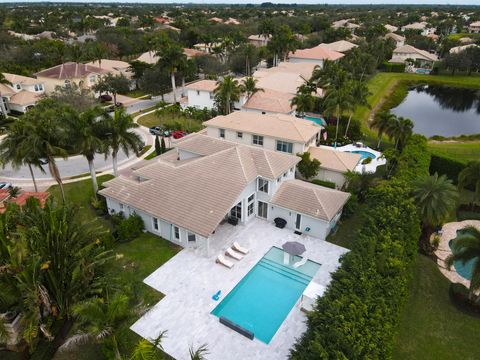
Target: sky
(343, 2)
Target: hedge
(392, 67)
(325, 183)
(358, 315)
(446, 166)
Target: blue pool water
(316, 120)
(465, 270)
(261, 301)
(364, 154)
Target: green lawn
(456, 150)
(430, 326)
(347, 229)
(172, 121)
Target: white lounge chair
(236, 246)
(222, 261)
(301, 262)
(233, 254)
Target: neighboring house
(186, 193)
(114, 67)
(341, 46)
(21, 199)
(399, 40)
(85, 76)
(390, 28)
(150, 57)
(284, 133)
(232, 21)
(269, 101)
(334, 164)
(316, 55)
(259, 40)
(200, 94)
(345, 23)
(423, 27)
(459, 49)
(22, 94)
(405, 52)
(474, 27)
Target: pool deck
(190, 278)
(363, 168)
(449, 232)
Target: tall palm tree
(3, 81)
(98, 52)
(303, 100)
(89, 139)
(249, 85)
(401, 129)
(436, 198)
(359, 91)
(382, 123)
(17, 149)
(336, 101)
(467, 248)
(227, 91)
(171, 57)
(470, 176)
(119, 135)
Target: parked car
(105, 98)
(178, 134)
(5, 186)
(43, 161)
(156, 130)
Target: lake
(441, 110)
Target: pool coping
(449, 232)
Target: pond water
(441, 110)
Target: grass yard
(430, 326)
(171, 121)
(456, 150)
(347, 229)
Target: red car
(177, 134)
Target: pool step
(285, 271)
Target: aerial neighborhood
(239, 181)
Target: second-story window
(239, 135)
(284, 146)
(221, 133)
(257, 140)
(262, 185)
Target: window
(38, 87)
(263, 185)
(262, 209)
(285, 174)
(284, 146)
(121, 206)
(251, 205)
(263, 112)
(18, 86)
(198, 92)
(221, 133)
(191, 237)
(239, 135)
(155, 224)
(176, 232)
(257, 140)
(236, 211)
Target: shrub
(350, 207)
(325, 183)
(367, 160)
(389, 67)
(445, 166)
(459, 294)
(130, 228)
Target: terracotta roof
(339, 46)
(70, 70)
(25, 98)
(21, 199)
(24, 80)
(316, 53)
(338, 161)
(409, 49)
(203, 85)
(197, 193)
(310, 199)
(270, 100)
(278, 126)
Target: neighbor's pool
(316, 120)
(261, 301)
(465, 270)
(365, 154)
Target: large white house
(474, 27)
(200, 94)
(284, 133)
(22, 94)
(185, 194)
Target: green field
(171, 121)
(430, 326)
(460, 151)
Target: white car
(5, 186)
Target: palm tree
(17, 149)
(98, 319)
(336, 100)
(3, 81)
(88, 138)
(171, 57)
(303, 100)
(467, 248)
(119, 135)
(470, 176)
(148, 350)
(401, 129)
(360, 92)
(227, 91)
(98, 52)
(249, 85)
(382, 123)
(199, 353)
(436, 198)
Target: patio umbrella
(294, 248)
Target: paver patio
(190, 279)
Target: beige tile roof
(196, 194)
(24, 80)
(278, 126)
(338, 161)
(110, 64)
(6, 90)
(391, 28)
(192, 52)
(25, 98)
(316, 53)
(302, 70)
(394, 36)
(339, 46)
(310, 199)
(287, 82)
(70, 70)
(458, 49)
(148, 57)
(259, 37)
(270, 100)
(203, 85)
(409, 49)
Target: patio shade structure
(294, 248)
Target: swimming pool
(365, 154)
(316, 120)
(464, 270)
(261, 301)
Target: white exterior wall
(329, 175)
(200, 99)
(19, 108)
(300, 60)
